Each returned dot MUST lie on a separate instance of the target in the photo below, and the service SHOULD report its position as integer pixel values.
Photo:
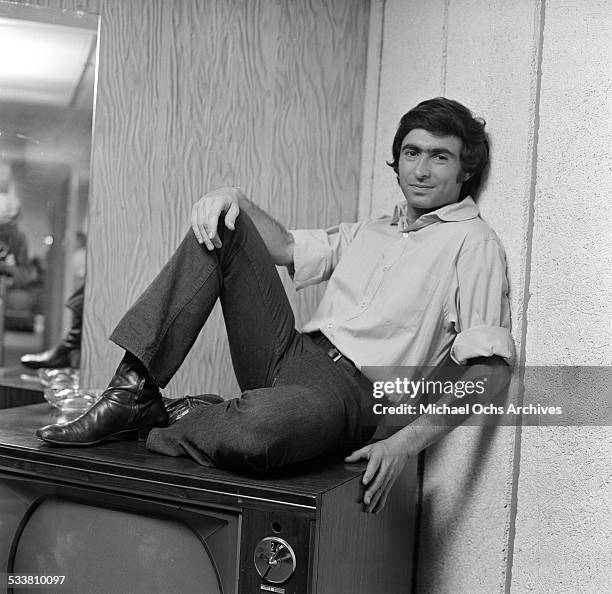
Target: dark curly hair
(446, 117)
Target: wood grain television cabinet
(119, 518)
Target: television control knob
(274, 559)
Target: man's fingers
(199, 226)
(379, 479)
(390, 477)
(212, 221)
(230, 216)
(372, 469)
(381, 501)
(370, 499)
(194, 224)
(207, 211)
(361, 454)
(379, 487)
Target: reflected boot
(54, 358)
(65, 354)
(130, 406)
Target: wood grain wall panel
(192, 95)
(317, 124)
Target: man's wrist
(406, 440)
(420, 434)
(240, 199)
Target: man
(413, 290)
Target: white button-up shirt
(409, 298)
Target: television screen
(103, 542)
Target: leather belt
(332, 352)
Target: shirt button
(330, 325)
(362, 305)
(385, 268)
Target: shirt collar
(457, 211)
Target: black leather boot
(65, 354)
(177, 408)
(131, 405)
(54, 358)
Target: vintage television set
(117, 518)
(94, 541)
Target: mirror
(47, 81)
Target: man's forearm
(428, 429)
(278, 240)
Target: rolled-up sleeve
(316, 252)
(480, 310)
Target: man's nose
(421, 168)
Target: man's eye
(441, 157)
(410, 153)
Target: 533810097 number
(32, 579)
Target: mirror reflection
(47, 78)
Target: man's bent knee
(246, 450)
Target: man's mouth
(421, 186)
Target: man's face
(429, 170)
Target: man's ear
(464, 176)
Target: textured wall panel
(197, 94)
(491, 63)
(563, 537)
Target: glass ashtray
(66, 377)
(72, 399)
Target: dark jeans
(296, 402)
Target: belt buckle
(335, 354)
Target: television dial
(274, 559)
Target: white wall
(563, 527)
(526, 68)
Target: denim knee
(248, 439)
(248, 449)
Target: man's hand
(207, 210)
(386, 460)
